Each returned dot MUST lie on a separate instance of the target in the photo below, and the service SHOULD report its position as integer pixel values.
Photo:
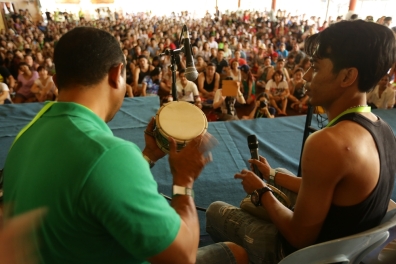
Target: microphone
(191, 73)
(253, 147)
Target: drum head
(181, 121)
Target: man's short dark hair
(84, 56)
(156, 71)
(368, 47)
(142, 57)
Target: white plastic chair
(351, 249)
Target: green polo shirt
(103, 204)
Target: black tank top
(143, 74)
(343, 221)
(209, 86)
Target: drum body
(180, 120)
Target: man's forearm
(185, 207)
(3, 96)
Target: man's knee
(239, 253)
(213, 209)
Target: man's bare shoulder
(322, 155)
(342, 148)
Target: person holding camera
(261, 109)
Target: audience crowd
(261, 52)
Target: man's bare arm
(321, 174)
(184, 248)
(201, 79)
(136, 78)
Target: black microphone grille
(252, 142)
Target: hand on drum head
(151, 149)
(187, 164)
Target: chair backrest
(350, 249)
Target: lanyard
(355, 109)
(39, 114)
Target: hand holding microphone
(253, 147)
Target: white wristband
(181, 190)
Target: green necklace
(353, 109)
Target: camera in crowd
(263, 103)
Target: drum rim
(160, 129)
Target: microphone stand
(173, 54)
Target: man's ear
(349, 76)
(115, 75)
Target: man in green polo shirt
(101, 201)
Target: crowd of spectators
(262, 52)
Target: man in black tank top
(348, 167)
(208, 82)
(143, 70)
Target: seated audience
(142, 70)
(234, 72)
(298, 96)
(290, 64)
(237, 57)
(5, 97)
(297, 53)
(201, 64)
(208, 83)
(382, 96)
(205, 52)
(226, 104)
(151, 83)
(50, 66)
(166, 82)
(248, 84)
(26, 80)
(280, 65)
(44, 87)
(261, 109)
(220, 62)
(278, 92)
(282, 52)
(186, 90)
(305, 64)
(262, 73)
